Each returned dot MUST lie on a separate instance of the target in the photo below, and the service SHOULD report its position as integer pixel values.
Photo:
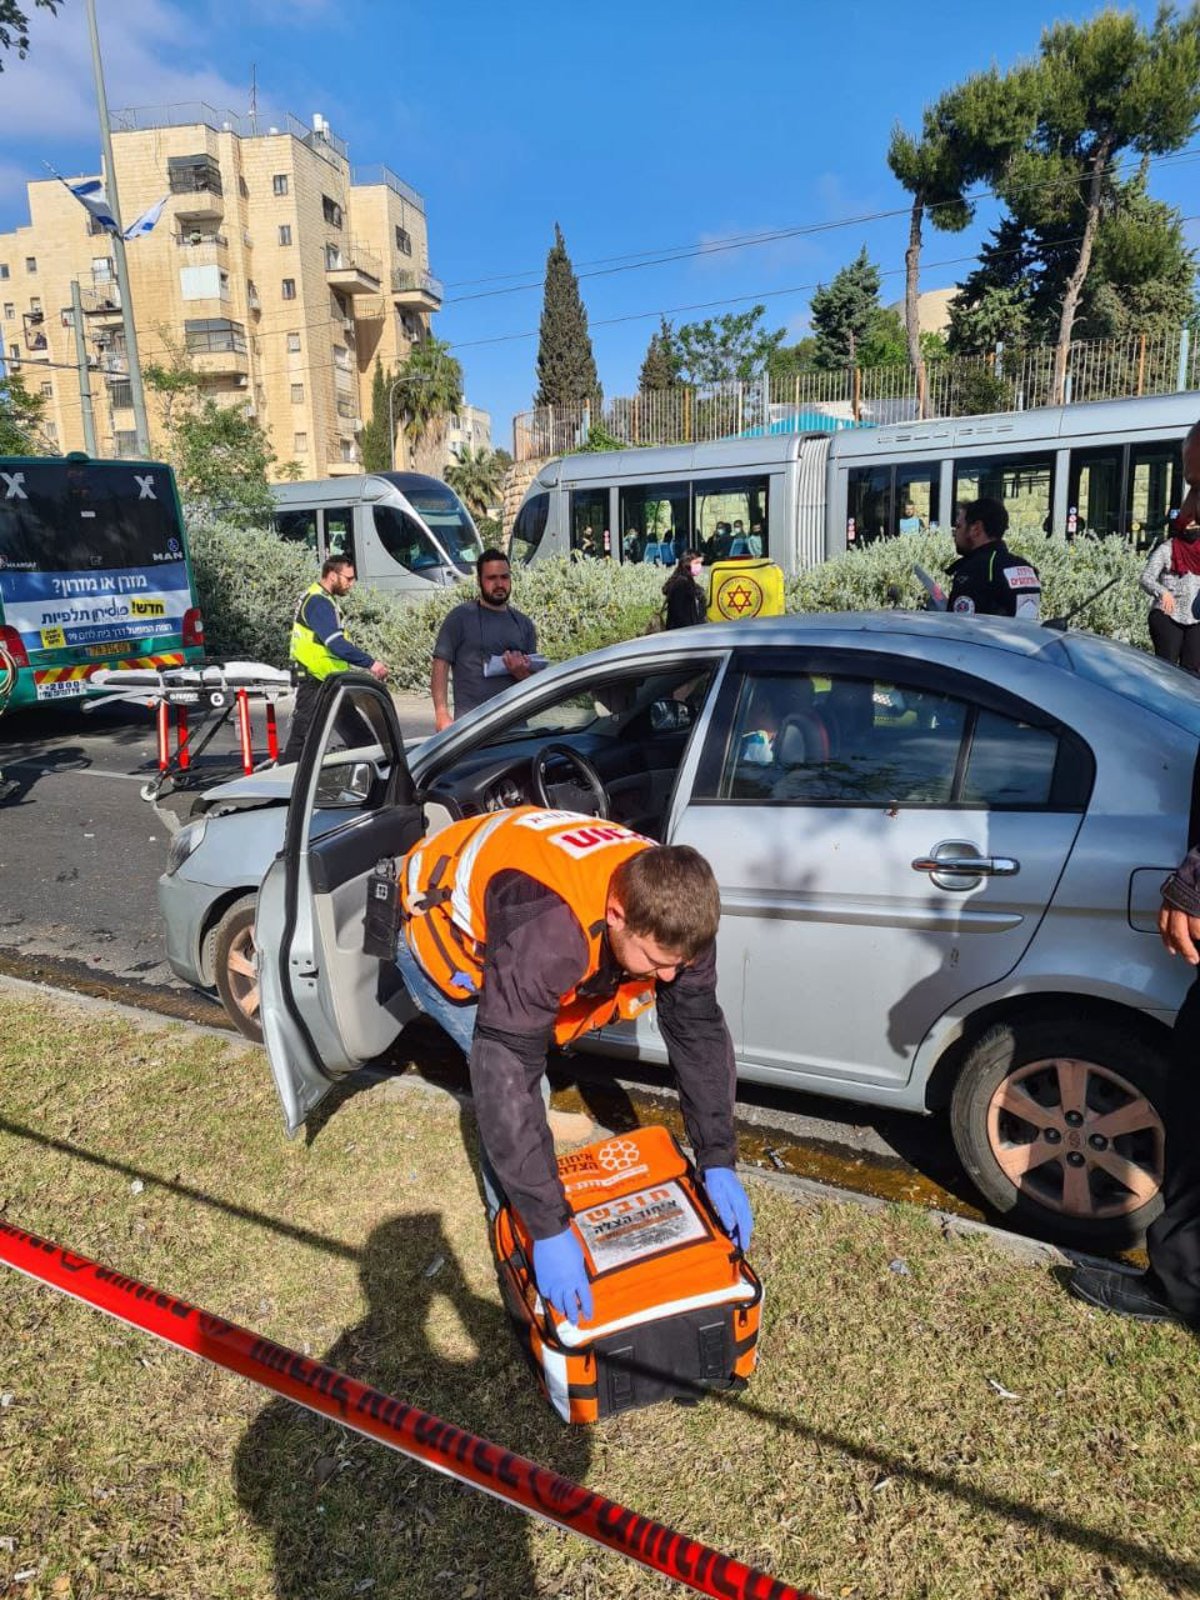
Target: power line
(709, 305)
(606, 266)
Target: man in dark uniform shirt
(989, 579)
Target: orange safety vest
(443, 887)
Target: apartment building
(470, 428)
(277, 267)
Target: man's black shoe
(1122, 1292)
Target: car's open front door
(327, 1007)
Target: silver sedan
(939, 842)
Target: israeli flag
(91, 196)
(146, 221)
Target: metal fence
(1107, 369)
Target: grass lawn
(930, 1418)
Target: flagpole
(110, 173)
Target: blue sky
(638, 127)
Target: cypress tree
(566, 368)
(843, 313)
(660, 366)
(374, 442)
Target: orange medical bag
(675, 1307)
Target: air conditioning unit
(357, 424)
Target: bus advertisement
(94, 572)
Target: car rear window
(1167, 691)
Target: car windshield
(606, 706)
(1136, 676)
(444, 514)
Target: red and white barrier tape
(436, 1444)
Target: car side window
(1009, 763)
(849, 740)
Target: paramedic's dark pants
(1174, 1240)
(459, 1022)
(350, 727)
(1176, 642)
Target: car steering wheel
(581, 767)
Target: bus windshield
(92, 562)
(446, 517)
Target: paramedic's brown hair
(669, 894)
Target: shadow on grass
(350, 1518)
(290, 1456)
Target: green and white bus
(94, 572)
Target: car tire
(229, 956)
(1059, 1125)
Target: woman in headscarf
(1172, 576)
(686, 602)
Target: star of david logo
(740, 598)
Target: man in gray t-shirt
(474, 633)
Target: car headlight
(185, 843)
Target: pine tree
(843, 314)
(566, 368)
(660, 368)
(374, 441)
(1107, 87)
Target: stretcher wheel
(149, 791)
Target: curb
(804, 1191)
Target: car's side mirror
(344, 785)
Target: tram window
(915, 499)
(1094, 493)
(529, 528)
(1024, 485)
(731, 518)
(297, 527)
(869, 505)
(590, 535)
(655, 522)
(1153, 490)
(405, 540)
(339, 532)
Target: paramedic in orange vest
(529, 927)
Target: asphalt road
(80, 852)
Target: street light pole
(110, 175)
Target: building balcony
(352, 269)
(197, 205)
(228, 363)
(203, 249)
(417, 290)
(102, 303)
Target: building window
(48, 390)
(125, 441)
(30, 264)
(333, 260)
(331, 211)
(347, 446)
(403, 241)
(121, 395)
(203, 335)
(35, 305)
(95, 226)
(279, 183)
(10, 311)
(297, 394)
(288, 289)
(197, 174)
(4, 269)
(285, 233)
(293, 344)
(300, 443)
(50, 429)
(14, 351)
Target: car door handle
(974, 866)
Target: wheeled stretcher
(175, 694)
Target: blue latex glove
(731, 1204)
(561, 1275)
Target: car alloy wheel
(233, 965)
(1061, 1125)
